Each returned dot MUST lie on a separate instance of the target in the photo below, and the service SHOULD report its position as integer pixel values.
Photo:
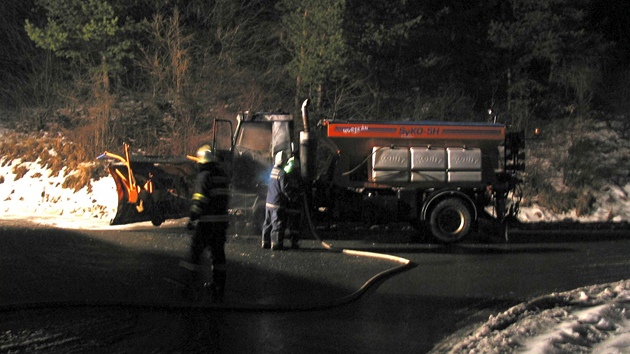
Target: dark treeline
(525, 60)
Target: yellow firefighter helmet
(205, 154)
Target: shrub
(573, 158)
(53, 152)
(584, 204)
(558, 202)
(82, 176)
(20, 171)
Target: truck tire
(156, 218)
(450, 221)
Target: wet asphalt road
(116, 291)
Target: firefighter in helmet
(209, 218)
(279, 195)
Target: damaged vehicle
(440, 177)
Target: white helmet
(206, 155)
(280, 158)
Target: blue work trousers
(274, 226)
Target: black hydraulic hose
(347, 173)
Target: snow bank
(39, 197)
(594, 319)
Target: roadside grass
(573, 161)
(52, 152)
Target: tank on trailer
(431, 154)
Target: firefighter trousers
(210, 235)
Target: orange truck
(441, 177)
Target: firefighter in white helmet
(279, 194)
(209, 217)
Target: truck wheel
(450, 221)
(157, 219)
(153, 209)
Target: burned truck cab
(245, 153)
(258, 137)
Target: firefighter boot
(216, 288)
(192, 281)
(295, 239)
(194, 285)
(277, 240)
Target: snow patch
(594, 319)
(39, 197)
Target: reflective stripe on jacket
(276, 194)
